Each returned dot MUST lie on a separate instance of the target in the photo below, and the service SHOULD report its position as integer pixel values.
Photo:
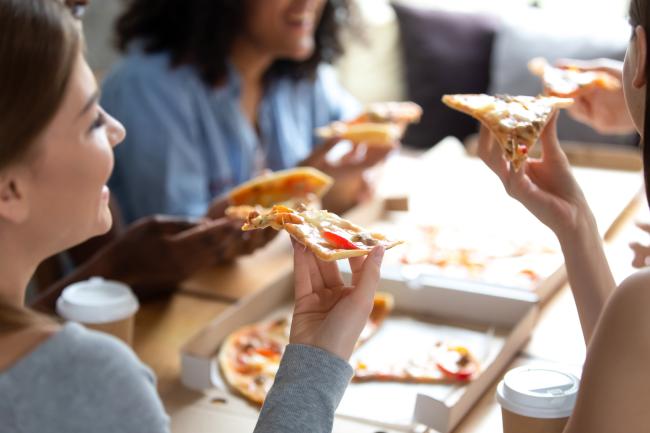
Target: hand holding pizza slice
(571, 81)
(381, 124)
(326, 234)
(515, 121)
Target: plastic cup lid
(538, 392)
(96, 301)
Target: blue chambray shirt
(188, 143)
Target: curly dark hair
(201, 33)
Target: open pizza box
(461, 227)
(493, 325)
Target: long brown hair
(39, 45)
(640, 16)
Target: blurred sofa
(421, 49)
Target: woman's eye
(99, 121)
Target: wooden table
(162, 327)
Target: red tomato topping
(339, 241)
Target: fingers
(309, 267)
(550, 144)
(490, 152)
(369, 275)
(330, 273)
(356, 266)
(301, 274)
(166, 224)
(645, 226)
(218, 207)
(317, 157)
(641, 255)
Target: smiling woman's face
(284, 29)
(64, 183)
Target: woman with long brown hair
(615, 387)
(56, 154)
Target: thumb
(370, 274)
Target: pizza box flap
(509, 315)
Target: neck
(250, 61)
(17, 265)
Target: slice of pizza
(249, 358)
(281, 186)
(326, 234)
(442, 364)
(381, 124)
(515, 121)
(570, 81)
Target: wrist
(582, 228)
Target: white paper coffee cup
(537, 399)
(100, 304)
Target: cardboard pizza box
(494, 325)
(450, 199)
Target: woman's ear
(14, 206)
(639, 80)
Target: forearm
(307, 390)
(588, 272)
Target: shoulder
(141, 74)
(634, 292)
(92, 379)
(626, 312)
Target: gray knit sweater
(81, 381)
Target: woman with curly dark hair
(212, 93)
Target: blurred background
(421, 49)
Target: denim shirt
(188, 142)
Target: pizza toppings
(327, 235)
(250, 357)
(338, 241)
(456, 362)
(382, 124)
(442, 364)
(292, 185)
(515, 121)
(570, 81)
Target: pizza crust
(312, 228)
(570, 81)
(281, 186)
(381, 124)
(515, 121)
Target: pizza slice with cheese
(326, 234)
(570, 81)
(381, 124)
(281, 186)
(515, 121)
(443, 363)
(249, 358)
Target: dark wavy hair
(201, 33)
(640, 16)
